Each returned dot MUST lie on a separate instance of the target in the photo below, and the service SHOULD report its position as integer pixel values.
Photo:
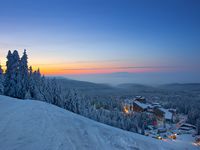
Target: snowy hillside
(34, 125)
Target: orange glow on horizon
(74, 69)
(81, 68)
(60, 71)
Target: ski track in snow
(35, 125)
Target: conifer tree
(23, 76)
(7, 84)
(12, 84)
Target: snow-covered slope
(34, 125)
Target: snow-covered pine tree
(1, 81)
(75, 101)
(23, 76)
(7, 84)
(16, 76)
(28, 95)
(12, 84)
(31, 83)
(55, 92)
(37, 85)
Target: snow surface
(142, 105)
(168, 115)
(35, 125)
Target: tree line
(20, 81)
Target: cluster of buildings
(167, 123)
(139, 104)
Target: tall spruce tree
(36, 84)
(12, 78)
(16, 75)
(7, 82)
(31, 82)
(23, 76)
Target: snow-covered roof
(139, 96)
(172, 109)
(188, 125)
(142, 105)
(155, 103)
(168, 115)
(185, 128)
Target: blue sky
(104, 36)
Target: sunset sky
(84, 37)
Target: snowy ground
(34, 125)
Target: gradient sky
(73, 37)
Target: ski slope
(35, 125)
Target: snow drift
(35, 125)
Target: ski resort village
(161, 123)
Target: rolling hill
(31, 125)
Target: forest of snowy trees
(21, 81)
